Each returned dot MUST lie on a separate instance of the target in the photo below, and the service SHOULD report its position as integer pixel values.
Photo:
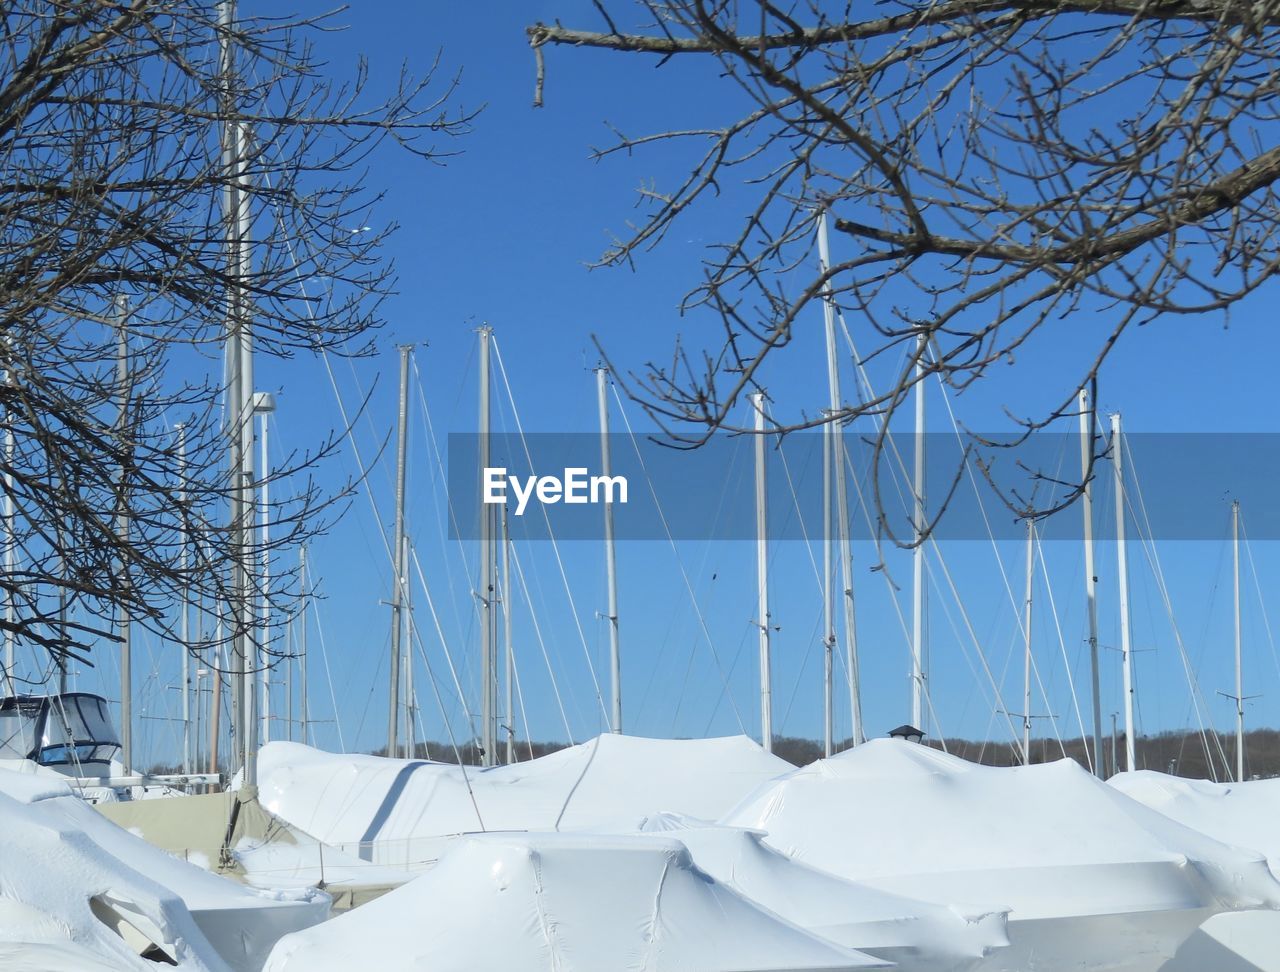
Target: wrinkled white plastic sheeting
(919, 935)
(1245, 814)
(562, 903)
(403, 812)
(241, 924)
(307, 864)
(1093, 879)
(50, 869)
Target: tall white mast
(917, 553)
(507, 639)
(10, 547)
(1122, 570)
(1235, 558)
(1090, 575)
(304, 713)
(610, 559)
(1026, 634)
(188, 759)
(264, 404)
(837, 466)
(123, 382)
(399, 565)
(762, 578)
(239, 408)
(410, 738)
(828, 599)
(488, 567)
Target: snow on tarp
(240, 924)
(397, 811)
(919, 935)
(562, 903)
(67, 904)
(1244, 814)
(1094, 880)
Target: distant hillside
(1179, 753)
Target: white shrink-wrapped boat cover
(919, 935)
(241, 924)
(396, 811)
(561, 903)
(67, 904)
(1092, 878)
(1245, 814)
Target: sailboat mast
(10, 547)
(302, 645)
(506, 637)
(263, 406)
(399, 566)
(828, 600)
(610, 558)
(122, 531)
(410, 740)
(238, 351)
(1090, 575)
(762, 579)
(1122, 570)
(917, 553)
(185, 629)
(1235, 558)
(487, 568)
(1027, 642)
(839, 485)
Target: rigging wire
(684, 574)
(555, 546)
(1148, 546)
(933, 543)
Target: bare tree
(115, 275)
(994, 167)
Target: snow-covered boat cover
(1047, 839)
(70, 904)
(1245, 814)
(562, 903)
(394, 811)
(1093, 879)
(180, 899)
(919, 935)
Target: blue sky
(501, 233)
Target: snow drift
(562, 902)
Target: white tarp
(240, 923)
(67, 904)
(402, 812)
(561, 903)
(1245, 814)
(1093, 880)
(918, 935)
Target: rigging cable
(555, 547)
(684, 574)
